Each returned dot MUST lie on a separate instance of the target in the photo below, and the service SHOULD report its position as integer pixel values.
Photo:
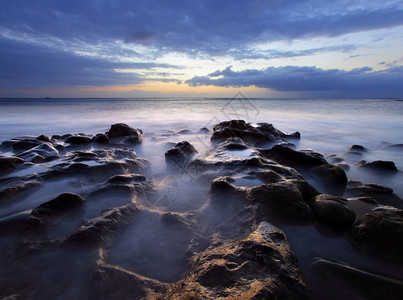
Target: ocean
(327, 126)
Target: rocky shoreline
(245, 239)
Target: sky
(206, 48)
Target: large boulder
(253, 135)
(380, 233)
(123, 130)
(259, 266)
(9, 163)
(280, 203)
(332, 211)
(293, 158)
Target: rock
(185, 131)
(180, 155)
(44, 138)
(333, 211)
(293, 158)
(331, 174)
(396, 147)
(382, 194)
(19, 223)
(380, 165)
(25, 144)
(100, 138)
(204, 130)
(222, 185)
(18, 189)
(9, 163)
(296, 135)
(335, 159)
(233, 143)
(59, 205)
(252, 135)
(78, 140)
(280, 203)
(100, 229)
(380, 233)
(127, 178)
(355, 148)
(259, 266)
(123, 130)
(46, 150)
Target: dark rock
(280, 202)
(78, 140)
(334, 158)
(333, 211)
(380, 233)
(59, 205)
(100, 138)
(9, 163)
(78, 156)
(290, 157)
(380, 165)
(204, 130)
(233, 143)
(20, 223)
(44, 138)
(251, 135)
(259, 266)
(331, 174)
(18, 189)
(382, 194)
(127, 178)
(102, 228)
(25, 144)
(359, 148)
(185, 131)
(397, 147)
(123, 130)
(295, 135)
(45, 150)
(222, 185)
(180, 155)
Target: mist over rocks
(227, 221)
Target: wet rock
(59, 205)
(380, 165)
(18, 189)
(356, 148)
(222, 185)
(46, 150)
(296, 135)
(333, 211)
(343, 166)
(78, 140)
(334, 158)
(113, 282)
(25, 144)
(233, 143)
(280, 202)
(127, 178)
(259, 266)
(9, 163)
(252, 135)
(184, 131)
(19, 223)
(204, 130)
(44, 138)
(123, 130)
(100, 138)
(307, 191)
(101, 229)
(380, 233)
(78, 156)
(382, 194)
(331, 174)
(180, 155)
(293, 158)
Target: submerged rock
(59, 205)
(100, 138)
(78, 140)
(259, 266)
(380, 233)
(9, 163)
(331, 174)
(380, 165)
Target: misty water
(154, 248)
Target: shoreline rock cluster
(89, 243)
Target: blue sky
(271, 48)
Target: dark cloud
(362, 82)
(30, 66)
(201, 26)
